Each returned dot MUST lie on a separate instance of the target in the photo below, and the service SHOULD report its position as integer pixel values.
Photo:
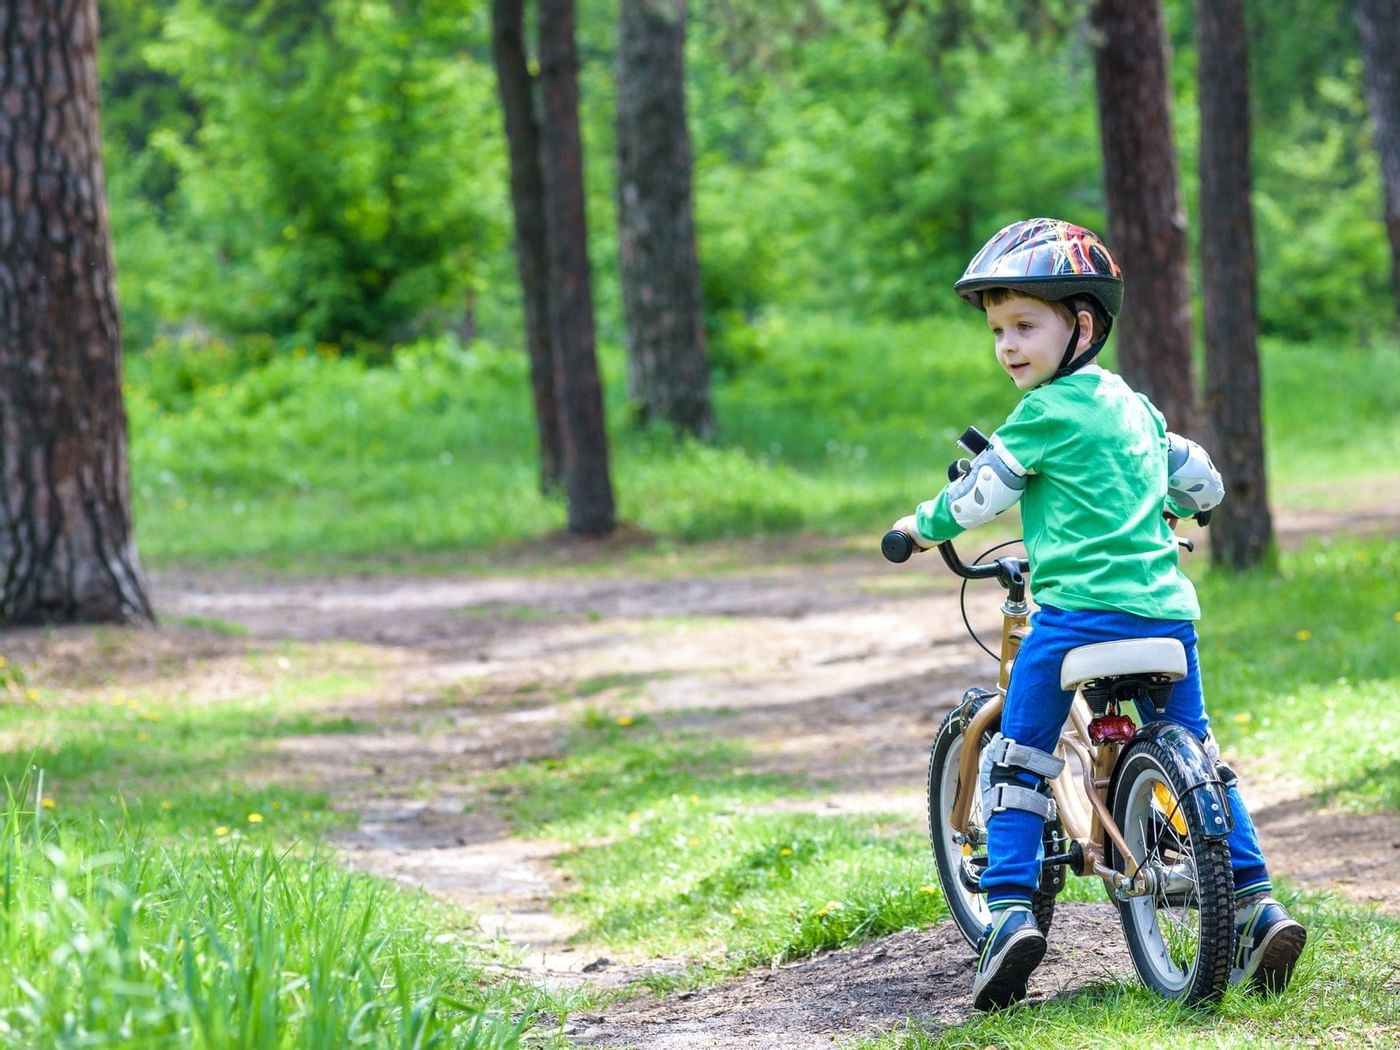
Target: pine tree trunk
(667, 367)
(517, 91)
(1241, 532)
(587, 484)
(1379, 24)
(1147, 223)
(67, 553)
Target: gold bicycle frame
(1081, 786)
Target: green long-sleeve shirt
(1094, 454)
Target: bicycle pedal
(970, 873)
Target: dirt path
(837, 671)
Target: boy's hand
(907, 526)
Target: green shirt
(1094, 454)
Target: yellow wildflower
(785, 852)
(48, 803)
(255, 818)
(625, 720)
(32, 695)
(928, 889)
(221, 831)
(1241, 718)
(167, 805)
(1303, 635)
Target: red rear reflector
(1111, 729)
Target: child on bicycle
(1100, 481)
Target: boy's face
(1030, 338)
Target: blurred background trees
(339, 179)
(336, 170)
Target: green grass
(113, 935)
(830, 427)
(680, 850)
(1301, 666)
(158, 887)
(1342, 993)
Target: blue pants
(1036, 709)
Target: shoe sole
(1277, 957)
(1008, 984)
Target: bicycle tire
(968, 910)
(1182, 935)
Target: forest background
(310, 209)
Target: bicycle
(1141, 807)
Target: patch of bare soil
(919, 976)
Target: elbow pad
(1193, 483)
(989, 488)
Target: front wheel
(968, 908)
(1181, 935)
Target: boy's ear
(1086, 328)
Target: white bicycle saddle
(1130, 656)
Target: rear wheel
(969, 908)
(1181, 935)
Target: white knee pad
(1002, 759)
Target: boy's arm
(990, 487)
(1193, 483)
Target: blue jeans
(1036, 709)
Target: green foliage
(112, 937)
(832, 426)
(343, 180)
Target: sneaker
(1267, 945)
(1011, 948)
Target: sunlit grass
(829, 428)
(112, 934)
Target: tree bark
(587, 484)
(67, 552)
(1146, 219)
(517, 91)
(667, 368)
(1379, 24)
(1241, 531)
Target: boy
(1098, 476)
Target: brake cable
(962, 597)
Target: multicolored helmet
(1049, 259)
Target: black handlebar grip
(1203, 518)
(974, 441)
(896, 546)
(958, 468)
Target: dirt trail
(837, 671)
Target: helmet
(1049, 259)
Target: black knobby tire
(969, 910)
(1181, 937)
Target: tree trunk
(587, 484)
(667, 369)
(1241, 532)
(67, 552)
(1147, 223)
(1379, 25)
(517, 91)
